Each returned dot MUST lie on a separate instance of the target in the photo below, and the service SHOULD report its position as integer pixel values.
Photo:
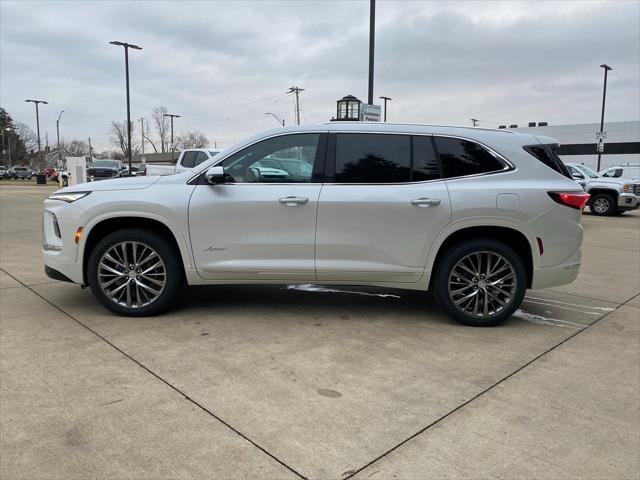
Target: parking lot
(311, 382)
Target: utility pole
(142, 130)
(297, 91)
(3, 129)
(46, 140)
(385, 106)
(58, 128)
(9, 142)
(372, 40)
(474, 121)
(604, 97)
(38, 124)
(90, 150)
(127, 46)
(172, 116)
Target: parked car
(187, 160)
(22, 173)
(49, 171)
(476, 216)
(629, 170)
(139, 170)
(609, 195)
(105, 169)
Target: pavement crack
(351, 473)
(157, 376)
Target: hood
(125, 183)
(614, 181)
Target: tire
(603, 204)
(473, 292)
(132, 299)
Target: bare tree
(192, 140)
(28, 136)
(78, 148)
(152, 143)
(119, 139)
(161, 125)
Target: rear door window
(460, 158)
(373, 158)
(425, 160)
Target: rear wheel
(134, 272)
(480, 282)
(603, 204)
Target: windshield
(104, 164)
(588, 171)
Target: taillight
(575, 200)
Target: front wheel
(603, 204)
(134, 272)
(480, 282)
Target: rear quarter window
(547, 154)
(460, 158)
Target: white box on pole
(77, 168)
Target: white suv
(476, 216)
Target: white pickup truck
(187, 160)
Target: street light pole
(38, 122)
(172, 116)
(372, 40)
(385, 106)
(142, 133)
(278, 119)
(58, 128)
(604, 97)
(127, 46)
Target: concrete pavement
(271, 382)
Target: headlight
(68, 196)
(627, 187)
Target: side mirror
(578, 176)
(215, 175)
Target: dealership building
(579, 142)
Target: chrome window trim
(508, 166)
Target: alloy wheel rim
(601, 205)
(482, 284)
(132, 274)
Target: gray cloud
(504, 62)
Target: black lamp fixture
(348, 109)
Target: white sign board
(371, 113)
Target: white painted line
(605, 309)
(540, 320)
(560, 306)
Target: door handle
(293, 201)
(426, 202)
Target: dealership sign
(370, 113)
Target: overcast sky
(223, 65)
